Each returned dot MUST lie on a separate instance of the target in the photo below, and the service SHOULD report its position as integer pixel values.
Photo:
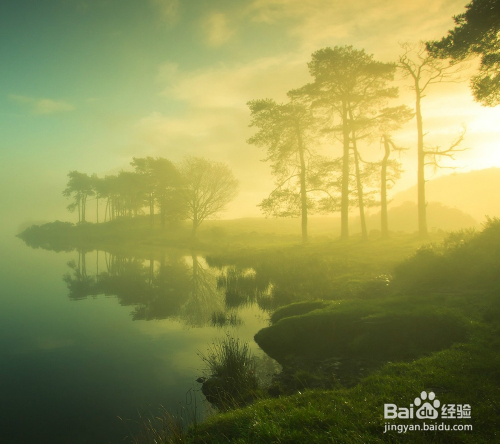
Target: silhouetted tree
(130, 188)
(80, 187)
(99, 188)
(424, 70)
(349, 86)
(369, 121)
(144, 167)
(162, 185)
(285, 130)
(168, 185)
(476, 33)
(110, 191)
(207, 188)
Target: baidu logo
(426, 406)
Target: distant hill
(439, 217)
(475, 193)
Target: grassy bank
(463, 374)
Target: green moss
(377, 330)
(298, 308)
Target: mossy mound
(377, 331)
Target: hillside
(475, 192)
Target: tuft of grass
(231, 367)
(165, 427)
(221, 319)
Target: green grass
(297, 309)
(231, 367)
(396, 328)
(322, 269)
(463, 374)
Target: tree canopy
(476, 33)
(207, 188)
(351, 88)
(80, 186)
(285, 130)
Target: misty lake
(89, 337)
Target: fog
(279, 214)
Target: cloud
(369, 24)
(169, 10)
(47, 106)
(233, 85)
(376, 26)
(43, 106)
(217, 29)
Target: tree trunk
(151, 211)
(84, 265)
(151, 268)
(303, 191)
(84, 199)
(163, 210)
(384, 223)
(97, 209)
(361, 203)
(422, 208)
(195, 224)
(344, 204)
(359, 185)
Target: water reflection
(78, 363)
(169, 284)
(242, 288)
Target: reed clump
(230, 367)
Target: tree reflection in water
(169, 285)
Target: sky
(87, 85)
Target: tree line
(195, 189)
(350, 104)
(346, 105)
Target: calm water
(87, 337)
